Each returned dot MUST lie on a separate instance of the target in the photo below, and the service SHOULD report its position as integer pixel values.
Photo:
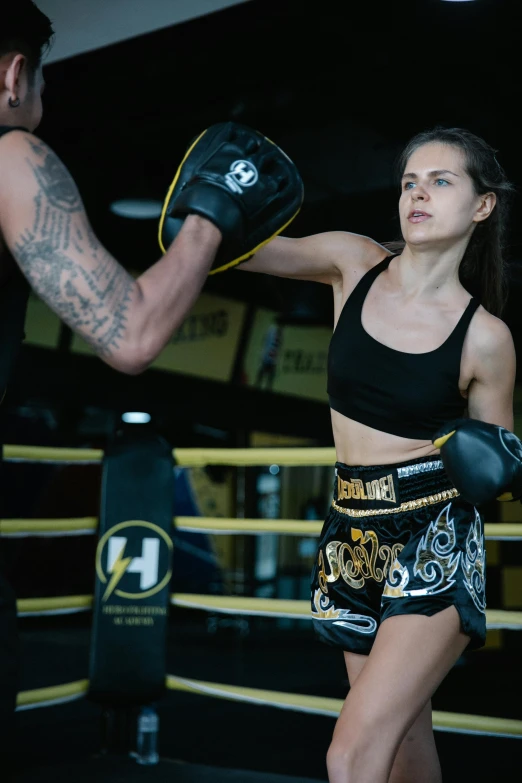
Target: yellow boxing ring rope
(50, 696)
(186, 458)
(316, 705)
(18, 528)
(319, 705)
(228, 604)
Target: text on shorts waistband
(380, 487)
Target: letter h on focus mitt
(484, 461)
(240, 181)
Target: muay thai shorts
(397, 540)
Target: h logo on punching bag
(120, 561)
(146, 565)
(242, 174)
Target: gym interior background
(341, 87)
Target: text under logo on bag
(242, 174)
(138, 570)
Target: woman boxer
(398, 582)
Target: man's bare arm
(43, 221)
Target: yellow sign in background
(287, 359)
(42, 326)
(205, 344)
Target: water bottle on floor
(147, 737)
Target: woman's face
(438, 204)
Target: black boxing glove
(240, 181)
(484, 461)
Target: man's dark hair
(25, 29)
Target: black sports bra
(410, 395)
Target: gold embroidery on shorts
(324, 609)
(408, 505)
(358, 563)
(378, 489)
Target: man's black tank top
(410, 395)
(14, 293)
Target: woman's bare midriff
(357, 444)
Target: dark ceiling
(340, 85)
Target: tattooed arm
(43, 221)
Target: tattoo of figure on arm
(92, 299)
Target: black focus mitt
(239, 180)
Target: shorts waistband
(390, 489)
